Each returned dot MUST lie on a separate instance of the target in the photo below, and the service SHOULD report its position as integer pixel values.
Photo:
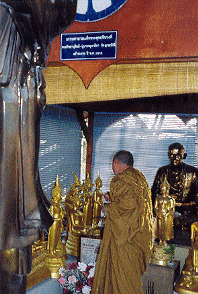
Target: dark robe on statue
(26, 29)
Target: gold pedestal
(39, 271)
(54, 263)
(160, 255)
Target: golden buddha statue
(56, 252)
(188, 282)
(194, 244)
(98, 203)
(76, 187)
(73, 213)
(57, 212)
(79, 211)
(74, 217)
(194, 235)
(164, 208)
(87, 203)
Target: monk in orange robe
(126, 246)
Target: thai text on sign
(91, 45)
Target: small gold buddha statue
(57, 212)
(73, 213)
(56, 252)
(77, 187)
(75, 221)
(98, 202)
(194, 244)
(164, 208)
(88, 203)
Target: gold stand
(161, 255)
(54, 263)
(40, 270)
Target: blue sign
(91, 45)
(93, 10)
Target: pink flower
(61, 281)
(72, 279)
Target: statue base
(161, 255)
(54, 263)
(39, 271)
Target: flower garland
(78, 278)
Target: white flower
(72, 279)
(82, 266)
(86, 289)
(61, 271)
(91, 272)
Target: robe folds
(126, 246)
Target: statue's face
(176, 157)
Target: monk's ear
(185, 155)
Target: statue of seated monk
(183, 180)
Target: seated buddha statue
(73, 213)
(74, 217)
(76, 186)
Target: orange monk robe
(127, 241)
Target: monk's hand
(107, 196)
